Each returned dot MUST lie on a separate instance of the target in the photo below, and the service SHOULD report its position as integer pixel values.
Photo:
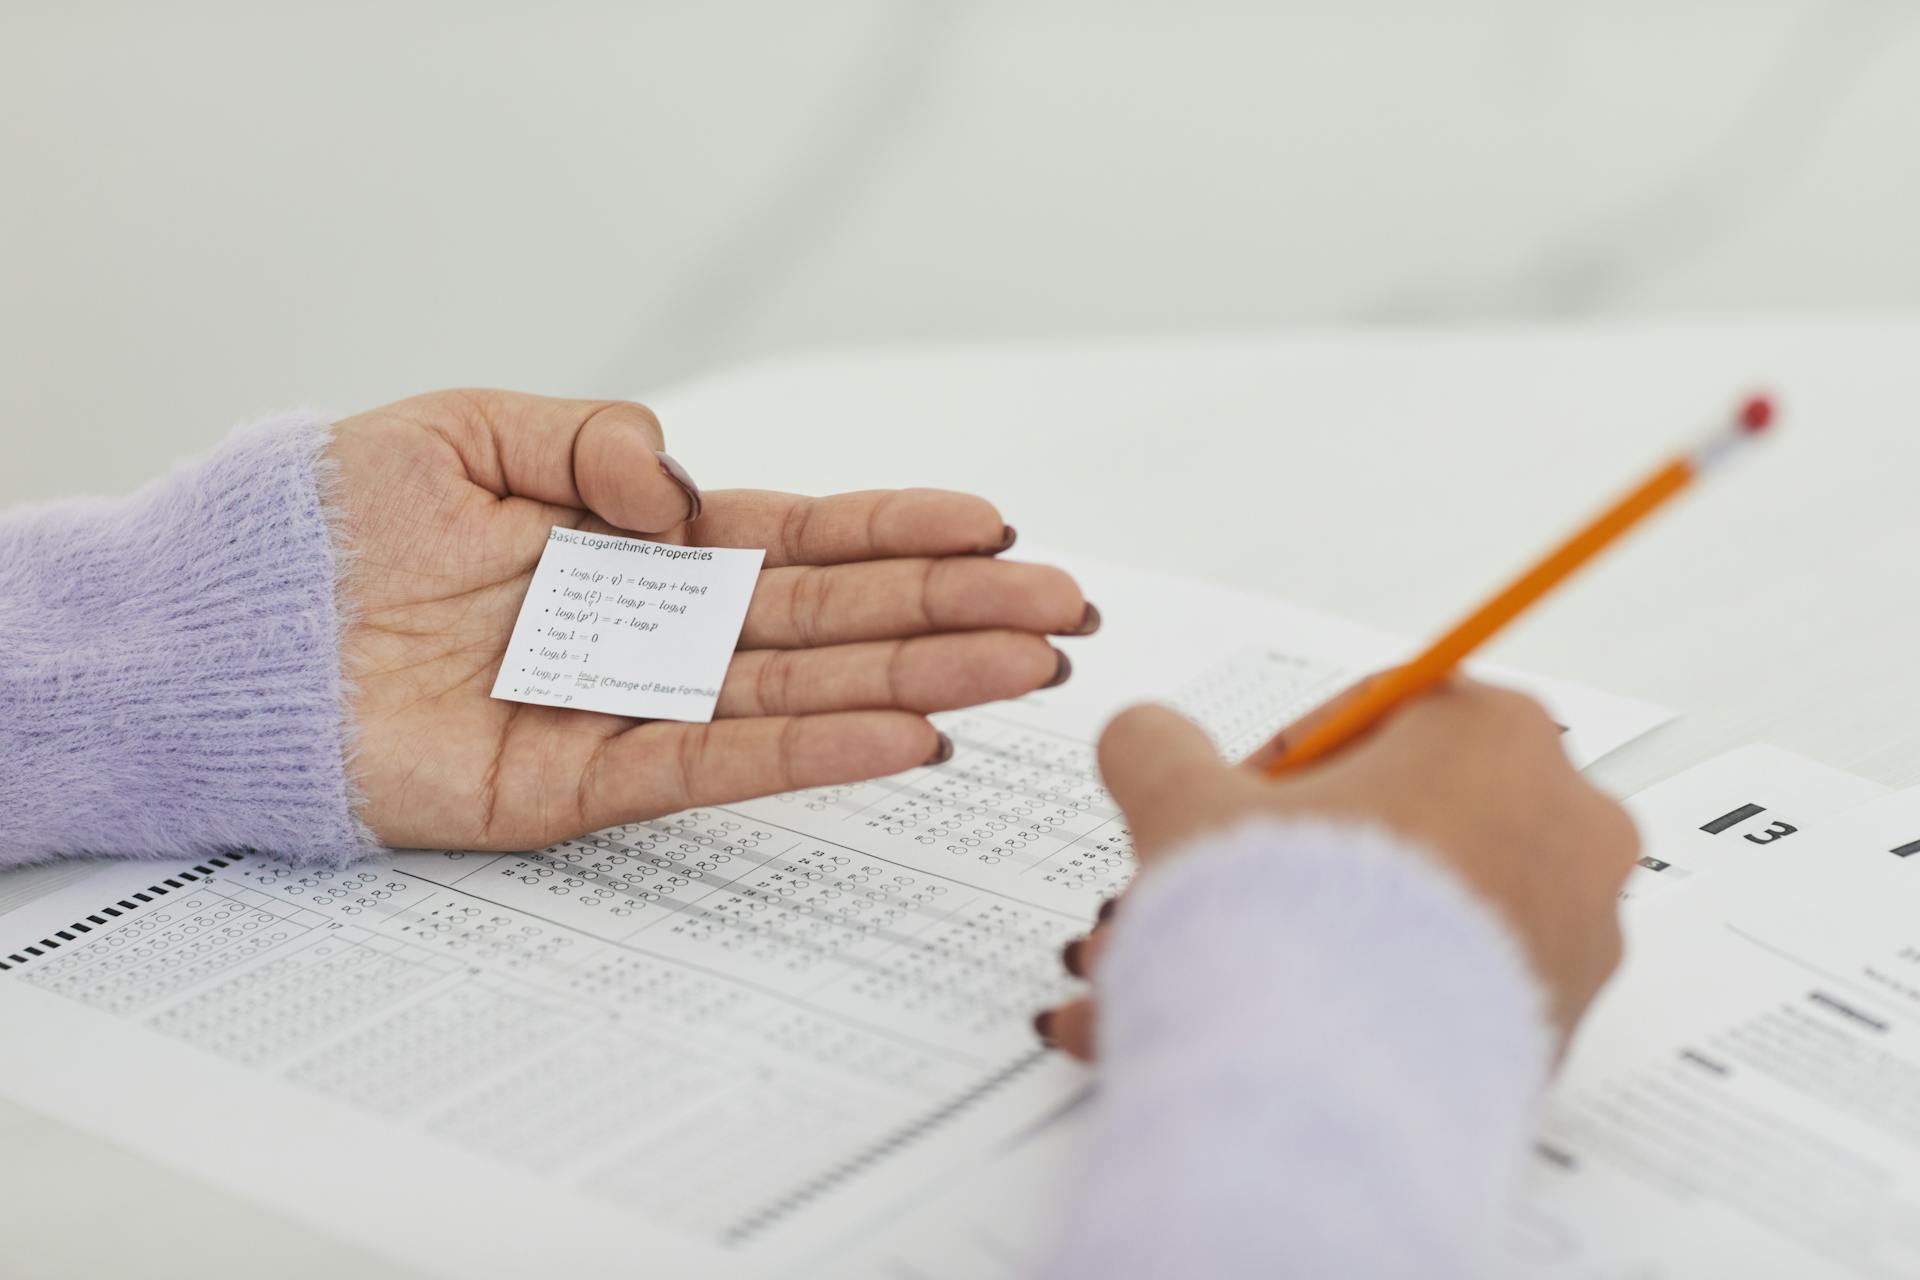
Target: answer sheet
(725, 1040)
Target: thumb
(1162, 770)
(626, 477)
(604, 455)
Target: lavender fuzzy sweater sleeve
(169, 674)
(1319, 1058)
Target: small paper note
(629, 627)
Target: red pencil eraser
(1756, 414)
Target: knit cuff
(1319, 1055)
(1344, 922)
(170, 679)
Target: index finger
(878, 524)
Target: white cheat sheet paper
(998, 1218)
(628, 627)
(727, 1040)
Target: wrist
(172, 685)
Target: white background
(216, 208)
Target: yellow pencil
(1391, 688)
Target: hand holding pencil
(1471, 775)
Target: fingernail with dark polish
(942, 752)
(1062, 669)
(1043, 1027)
(1007, 537)
(1073, 957)
(1107, 909)
(678, 474)
(1089, 622)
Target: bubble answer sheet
(727, 1041)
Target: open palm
(872, 610)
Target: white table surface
(1390, 477)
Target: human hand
(1470, 775)
(873, 609)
